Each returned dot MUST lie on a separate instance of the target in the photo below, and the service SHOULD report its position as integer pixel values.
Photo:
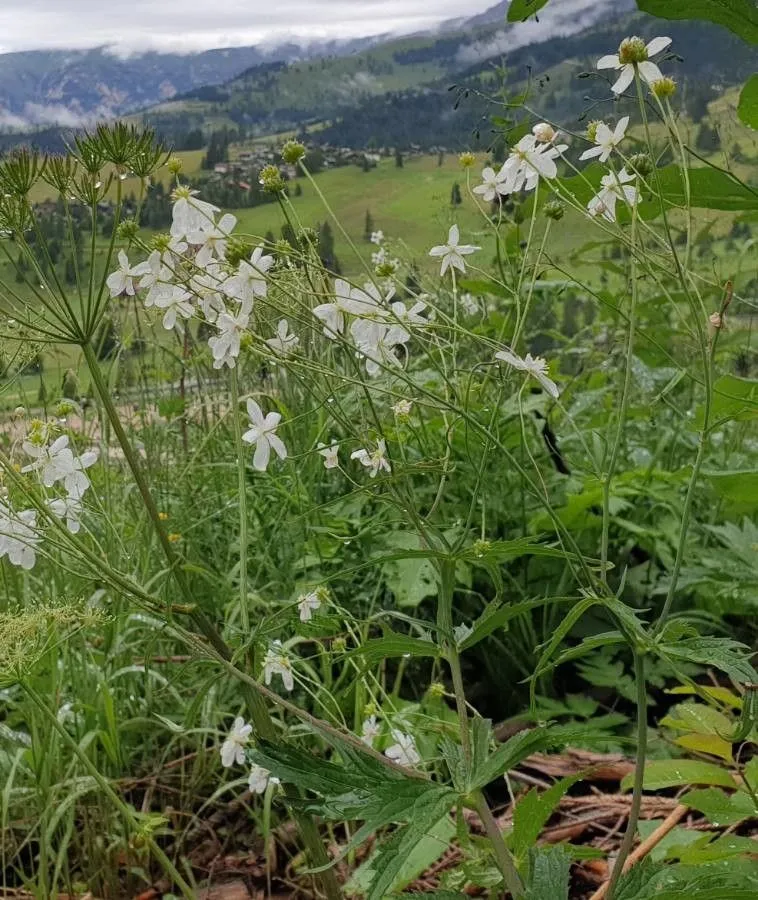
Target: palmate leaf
(739, 16)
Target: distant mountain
(75, 87)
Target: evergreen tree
(398, 158)
(368, 226)
(455, 195)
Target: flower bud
(663, 87)
(339, 644)
(283, 248)
(632, 50)
(402, 409)
(293, 152)
(246, 340)
(554, 209)
(716, 321)
(641, 164)
(481, 548)
(386, 268)
(271, 179)
(237, 249)
(127, 230)
(467, 159)
(437, 690)
(544, 132)
(19, 412)
(174, 165)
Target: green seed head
(632, 50)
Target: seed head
(663, 87)
(174, 165)
(632, 50)
(554, 209)
(271, 179)
(293, 152)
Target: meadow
(428, 571)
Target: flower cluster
(233, 751)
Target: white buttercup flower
(370, 731)
(613, 187)
(308, 604)
(452, 252)
(58, 463)
(374, 461)
(233, 748)
(491, 185)
(534, 366)
(330, 454)
(634, 55)
(262, 433)
(403, 751)
(276, 662)
(606, 140)
(122, 280)
(285, 342)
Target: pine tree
(398, 158)
(455, 195)
(368, 226)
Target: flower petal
(657, 45)
(649, 72)
(624, 80)
(608, 62)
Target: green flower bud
(246, 340)
(237, 249)
(437, 690)
(554, 209)
(174, 165)
(127, 230)
(663, 87)
(339, 644)
(293, 152)
(481, 548)
(271, 179)
(641, 164)
(386, 269)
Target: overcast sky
(201, 24)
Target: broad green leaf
(711, 744)
(737, 880)
(394, 645)
(721, 809)
(548, 874)
(748, 105)
(710, 189)
(428, 850)
(698, 718)
(738, 486)
(678, 837)
(725, 847)
(666, 773)
(520, 10)
(392, 858)
(725, 654)
(532, 812)
(721, 694)
(739, 16)
(733, 398)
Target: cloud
(53, 114)
(187, 26)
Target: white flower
(70, 509)
(308, 604)
(233, 748)
(533, 365)
(377, 236)
(156, 277)
(348, 301)
(259, 780)
(65, 713)
(330, 454)
(452, 252)
(544, 132)
(527, 161)
(190, 214)
(250, 280)
(469, 304)
(403, 751)
(122, 280)
(379, 258)
(398, 333)
(606, 140)
(177, 302)
(208, 286)
(225, 346)
(634, 54)
(262, 433)
(374, 461)
(402, 409)
(370, 731)
(213, 239)
(58, 463)
(276, 662)
(284, 343)
(491, 185)
(19, 536)
(613, 187)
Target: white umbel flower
(633, 54)
(262, 433)
(532, 365)
(250, 280)
(307, 604)
(331, 455)
(233, 748)
(70, 509)
(177, 302)
(190, 214)
(493, 184)
(529, 160)
(225, 346)
(19, 536)
(370, 731)
(453, 251)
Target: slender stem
(639, 774)
(502, 853)
(105, 787)
(242, 490)
(625, 392)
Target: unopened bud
(641, 164)
(437, 690)
(663, 87)
(544, 132)
(271, 180)
(127, 230)
(174, 165)
(293, 152)
(246, 340)
(716, 321)
(481, 548)
(339, 644)
(554, 209)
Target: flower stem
(242, 490)
(639, 774)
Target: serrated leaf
(722, 653)
(747, 108)
(711, 881)
(497, 616)
(393, 645)
(739, 16)
(667, 773)
(532, 812)
(548, 874)
(738, 486)
(721, 809)
(678, 837)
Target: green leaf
(532, 812)
(393, 855)
(747, 108)
(666, 773)
(497, 616)
(727, 846)
(428, 850)
(739, 16)
(394, 645)
(738, 486)
(719, 808)
(725, 654)
(520, 10)
(733, 398)
(711, 189)
(678, 837)
(548, 874)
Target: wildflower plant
(370, 443)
